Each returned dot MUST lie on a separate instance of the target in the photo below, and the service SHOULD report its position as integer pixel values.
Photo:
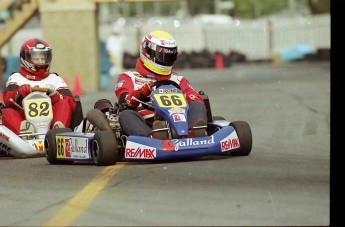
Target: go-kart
(99, 137)
(38, 112)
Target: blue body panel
(140, 148)
(167, 112)
(143, 148)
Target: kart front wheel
(51, 148)
(244, 134)
(104, 148)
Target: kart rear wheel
(244, 134)
(104, 148)
(50, 146)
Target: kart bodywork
(99, 137)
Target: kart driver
(158, 52)
(35, 60)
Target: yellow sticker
(170, 100)
(39, 145)
(38, 108)
(60, 147)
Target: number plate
(170, 100)
(38, 109)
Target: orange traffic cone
(219, 64)
(77, 86)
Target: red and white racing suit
(129, 81)
(63, 108)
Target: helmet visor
(163, 55)
(40, 56)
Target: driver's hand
(24, 90)
(145, 90)
(55, 96)
(130, 100)
(141, 93)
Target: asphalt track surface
(285, 181)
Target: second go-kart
(99, 137)
(38, 112)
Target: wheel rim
(46, 145)
(95, 149)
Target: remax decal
(139, 151)
(230, 142)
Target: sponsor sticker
(175, 110)
(179, 117)
(176, 144)
(4, 137)
(39, 145)
(167, 90)
(139, 151)
(230, 142)
(72, 147)
(168, 146)
(42, 125)
(5, 147)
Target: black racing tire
(104, 148)
(215, 118)
(50, 146)
(244, 134)
(77, 114)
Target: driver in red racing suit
(35, 59)
(158, 52)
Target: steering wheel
(159, 83)
(48, 91)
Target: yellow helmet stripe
(157, 70)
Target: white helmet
(158, 52)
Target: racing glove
(142, 92)
(130, 99)
(145, 90)
(24, 90)
(55, 96)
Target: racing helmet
(36, 57)
(158, 52)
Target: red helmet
(36, 56)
